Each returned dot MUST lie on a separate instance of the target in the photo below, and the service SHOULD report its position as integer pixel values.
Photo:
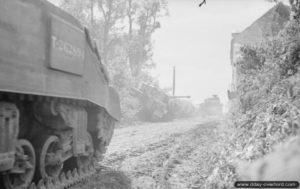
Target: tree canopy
(123, 31)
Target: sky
(197, 42)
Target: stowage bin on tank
(57, 110)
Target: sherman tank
(157, 105)
(57, 109)
(211, 107)
(154, 103)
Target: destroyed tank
(154, 103)
(57, 109)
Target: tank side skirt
(21, 95)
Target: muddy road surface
(172, 155)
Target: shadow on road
(107, 179)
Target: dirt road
(173, 155)
(184, 154)
(164, 155)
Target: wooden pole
(174, 80)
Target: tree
(123, 31)
(295, 4)
(144, 17)
(112, 14)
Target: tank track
(68, 179)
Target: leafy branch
(202, 3)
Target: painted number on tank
(67, 48)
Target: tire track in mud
(188, 166)
(178, 161)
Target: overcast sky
(197, 41)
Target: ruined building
(265, 27)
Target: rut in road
(190, 159)
(180, 160)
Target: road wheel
(23, 171)
(49, 157)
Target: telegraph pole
(174, 80)
(174, 86)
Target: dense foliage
(267, 108)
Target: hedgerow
(267, 107)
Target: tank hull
(47, 53)
(57, 109)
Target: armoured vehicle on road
(211, 107)
(157, 105)
(154, 103)
(57, 109)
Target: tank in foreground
(57, 110)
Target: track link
(68, 179)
